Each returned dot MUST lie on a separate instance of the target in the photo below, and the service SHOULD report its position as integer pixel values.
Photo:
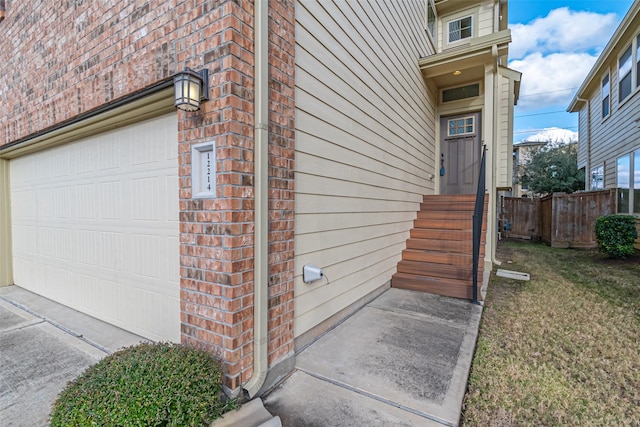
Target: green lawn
(561, 349)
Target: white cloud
(554, 135)
(562, 30)
(552, 79)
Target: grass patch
(562, 349)
(160, 384)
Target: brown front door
(460, 153)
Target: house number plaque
(203, 174)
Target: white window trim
(473, 29)
(603, 116)
(433, 37)
(635, 45)
(480, 93)
(635, 78)
(631, 73)
(630, 186)
(444, 30)
(473, 125)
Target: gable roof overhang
(472, 57)
(626, 29)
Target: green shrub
(615, 234)
(145, 385)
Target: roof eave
(580, 97)
(480, 49)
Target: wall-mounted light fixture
(190, 88)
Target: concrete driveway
(402, 360)
(38, 355)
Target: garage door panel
(45, 204)
(108, 207)
(144, 199)
(95, 226)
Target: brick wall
(281, 181)
(60, 59)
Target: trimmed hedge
(161, 384)
(615, 235)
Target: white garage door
(95, 226)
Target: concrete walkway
(403, 360)
(44, 345)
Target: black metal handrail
(478, 213)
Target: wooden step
(436, 270)
(441, 286)
(440, 234)
(449, 198)
(437, 257)
(458, 246)
(446, 224)
(446, 215)
(446, 205)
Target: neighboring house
(522, 154)
(326, 123)
(608, 103)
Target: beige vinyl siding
(505, 150)
(486, 14)
(365, 143)
(583, 135)
(483, 22)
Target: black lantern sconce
(190, 88)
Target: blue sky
(555, 44)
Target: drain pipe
(493, 193)
(261, 196)
(587, 172)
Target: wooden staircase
(438, 258)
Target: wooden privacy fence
(560, 220)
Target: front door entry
(460, 153)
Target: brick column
(281, 177)
(216, 235)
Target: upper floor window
(460, 29)
(638, 61)
(432, 20)
(624, 75)
(606, 96)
